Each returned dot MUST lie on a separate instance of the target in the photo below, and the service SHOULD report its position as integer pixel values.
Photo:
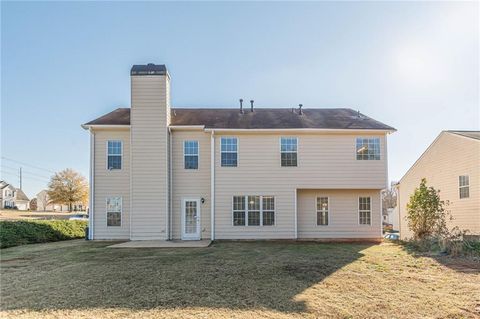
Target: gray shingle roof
(471, 134)
(21, 195)
(261, 118)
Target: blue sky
(414, 66)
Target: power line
(26, 164)
(28, 177)
(25, 172)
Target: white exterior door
(191, 219)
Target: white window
(229, 151)
(114, 155)
(464, 186)
(114, 211)
(322, 211)
(288, 151)
(253, 210)
(190, 154)
(365, 210)
(368, 148)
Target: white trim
(381, 214)
(91, 221)
(167, 182)
(121, 156)
(131, 187)
(460, 187)
(198, 155)
(186, 127)
(328, 211)
(300, 130)
(104, 126)
(121, 210)
(199, 219)
(358, 210)
(170, 194)
(212, 185)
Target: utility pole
(20, 178)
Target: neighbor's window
(364, 210)
(239, 211)
(253, 210)
(464, 186)
(322, 211)
(288, 151)
(114, 155)
(114, 211)
(190, 151)
(229, 149)
(368, 148)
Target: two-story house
(159, 172)
(12, 197)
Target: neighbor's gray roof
(21, 195)
(261, 118)
(471, 134)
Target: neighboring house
(251, 173)
(43, 204)
(451, 164)
(12, 197)
(392, 218)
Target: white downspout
(170, 213)
(296, 227)
(212, 185)
(92, 184)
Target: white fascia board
(300, 130)
(103, 127)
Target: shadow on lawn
(469, 264)
(233, 275)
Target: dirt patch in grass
(233, 280)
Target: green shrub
(15, 233)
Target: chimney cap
(149, 69)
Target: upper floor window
(368, 148)
(322, 211)
(229, 151)
(114, 211)
(190, 154)
(114, 155)
(464, 186)
(365, 210)
(288, 151)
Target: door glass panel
(190, 217)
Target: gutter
(300, 130)
(170, 193)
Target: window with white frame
(190, 154)
(253, 210)
(229, 151)
(322, 211)
(365, 210)
(464, 186)
(114, 155)
(114, 211)
(288, 151)
(368, 148)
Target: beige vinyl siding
(111, 183)
(191, 183)
(149, 156)
(325, 161)
(343, 216)
(450, 156)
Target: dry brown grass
(81, 279)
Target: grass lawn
(79, 279)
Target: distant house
(12, 197)
(452, 165)
(392, 217)
(44, 204)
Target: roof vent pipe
(300, 109)
(251, 105)
(241, 106)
